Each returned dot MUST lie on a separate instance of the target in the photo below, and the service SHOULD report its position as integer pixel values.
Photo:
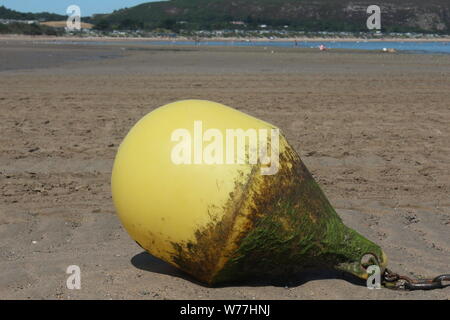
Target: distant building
(8, 21)
(238, 23)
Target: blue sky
(88, 7)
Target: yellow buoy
(224, 197)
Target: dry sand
(373, 129)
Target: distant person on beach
(322, 48)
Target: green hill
(308, 15)
(6, 13)
(29, 29)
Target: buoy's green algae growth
(226, 223)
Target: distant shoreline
(299, 39)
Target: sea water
(425, 47)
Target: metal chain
(393, 280)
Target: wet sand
(372, 128)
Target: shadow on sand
(147, 262)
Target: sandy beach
(373, 129)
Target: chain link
(393, 280)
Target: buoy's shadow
(147, 262)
